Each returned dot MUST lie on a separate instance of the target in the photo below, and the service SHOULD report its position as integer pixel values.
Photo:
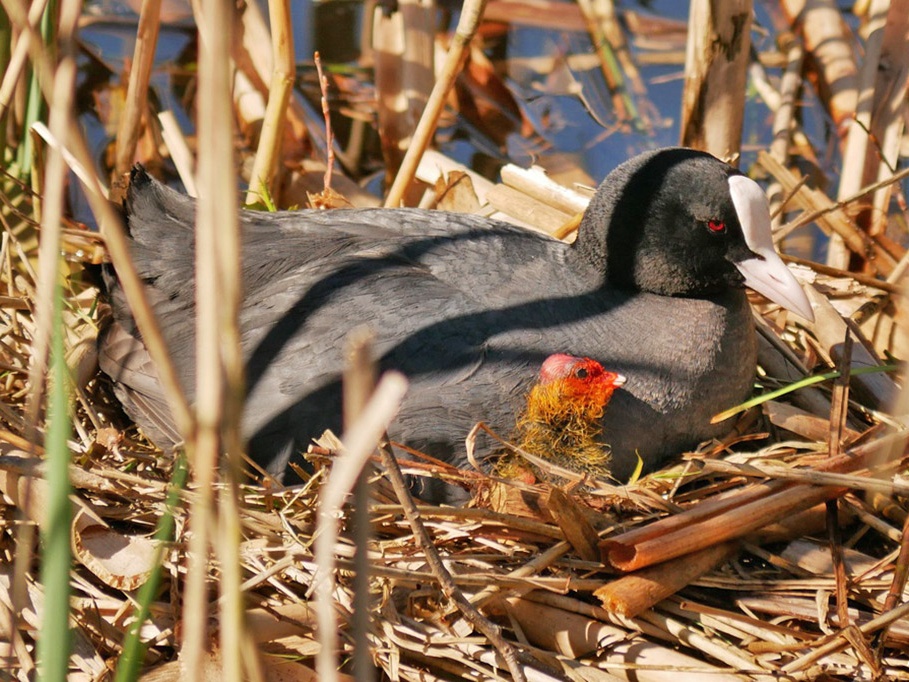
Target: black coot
(468, 308)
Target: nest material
(754, 612)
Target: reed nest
(772, 554)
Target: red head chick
(562, 420)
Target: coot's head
(680, 222)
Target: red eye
(716, 226)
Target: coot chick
(562, 422)
(468, 308)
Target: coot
(468, 308)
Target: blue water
(566, 124)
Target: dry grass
(757, 611)
(732, 563)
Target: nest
(772, 553)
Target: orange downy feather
(561, 422)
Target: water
(559, 92)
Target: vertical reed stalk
(261, 183)
(359, 381)
(716, 67)
(132, 656)
(219, 387)
(137, 91)
(54, 642)
(471, 15)
(56, 558)
(35, 109)
(6, 41)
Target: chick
(562, 421)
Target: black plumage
(468, 308)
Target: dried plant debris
(748, 592)
(776, 553)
